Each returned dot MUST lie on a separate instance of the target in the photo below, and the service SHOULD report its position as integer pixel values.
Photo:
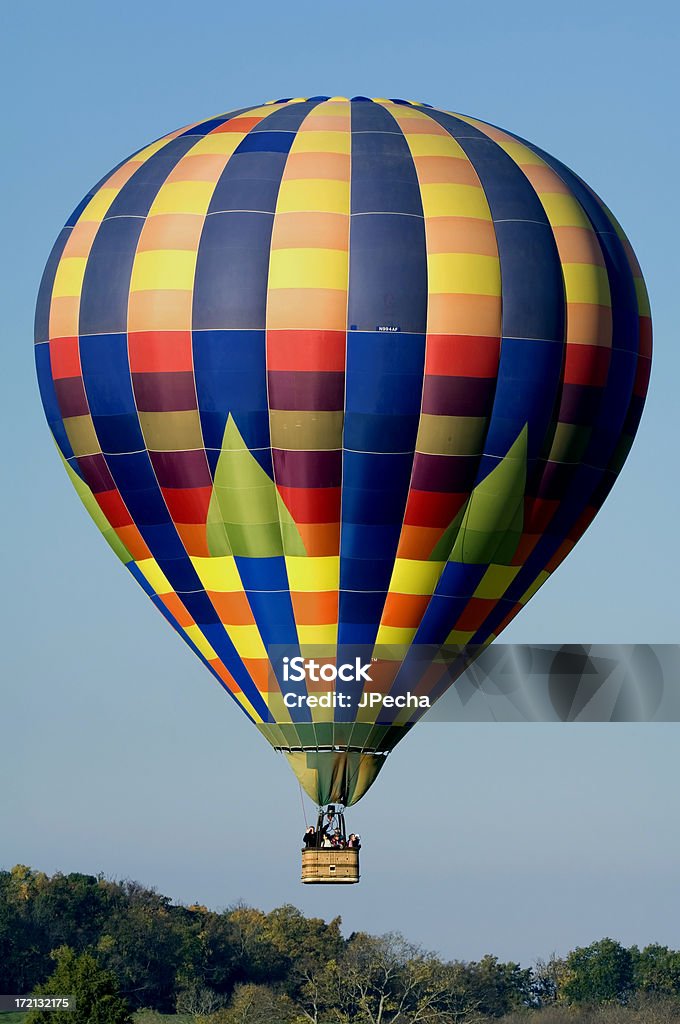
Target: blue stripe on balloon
(229, 369)
(232, 268)
(106, 284)
(533, 301)
(387, 312)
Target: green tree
(255, 956)
(95, 990)
(24, 947)
(145, 943)
(497, 988)
(296, 936)
(301, 942)
(210, 957)
(599, 973)
(656, 970)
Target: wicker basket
(330, 866)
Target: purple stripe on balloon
(181, 469)
(307, 390)
(71, 396)
(307, 469)
(96, 473)
(457, 396)
(580, 404)
(454, 474)
(164, 392)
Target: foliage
(124, 946)
(95, 990)
(257, 1004)
(498, 988)
(599, 973)
(548, 980)
(379, 980)
(656, 970)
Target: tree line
(122, 948)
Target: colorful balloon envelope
(337, 375)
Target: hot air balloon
(341, 375)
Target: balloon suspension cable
(302, 801)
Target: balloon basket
(330, 867)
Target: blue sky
(119, 753)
